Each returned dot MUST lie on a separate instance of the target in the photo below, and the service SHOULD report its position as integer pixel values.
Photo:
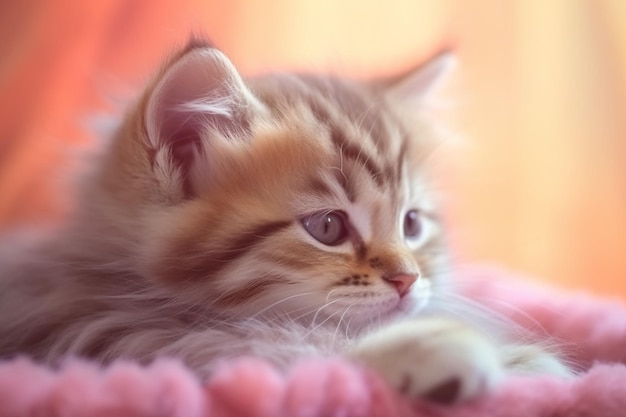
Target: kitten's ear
(199, 98)
(419, 84)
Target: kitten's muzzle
(402, 282)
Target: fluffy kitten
(281, 216)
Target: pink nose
(402, 282)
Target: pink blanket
(248, 387)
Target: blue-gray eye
(327, 228)
(412, 224)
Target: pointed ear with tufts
(418, 85)
(198, 99)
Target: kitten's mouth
(415, 300)
(393, 306)
(420, 294)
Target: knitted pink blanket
(324, 388)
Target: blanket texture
(594, 329)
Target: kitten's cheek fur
(435, 358)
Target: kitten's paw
(438, 359)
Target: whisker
(322, 323)
(321, 308)
(330, 292)
(339, 323)
(280, 302)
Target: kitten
(282, 216)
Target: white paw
(438, 359)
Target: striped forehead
(369, 143)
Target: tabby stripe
(377, 130)
(250, 290)
(346, 184)
(360, 249)
(401, 157)
(357, 154)
(243, 244)
(321, 113)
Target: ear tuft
(197, 41)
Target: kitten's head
(288, 194)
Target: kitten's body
(201, 235)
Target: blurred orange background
(540, 185)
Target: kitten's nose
(402, 282)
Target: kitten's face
(287, 195)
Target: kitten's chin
(406, 307)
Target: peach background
(540, 186)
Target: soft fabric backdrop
(540, 186)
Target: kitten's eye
(412, 224)
(328, 228)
